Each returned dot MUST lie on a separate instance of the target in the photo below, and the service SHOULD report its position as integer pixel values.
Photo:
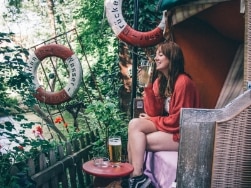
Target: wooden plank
(59, 167)
(42, 166)
(93, 137)
(31, 167)
(63, 175)
(88, 139)
(80, 174)
(53, 160)
(195, 160)
(78, 161)
(71, 168)
(247, 45)
(233, 85)
(44, 176)
(88, 179)
(82, 141)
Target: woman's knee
(133, 124)
(141, 125)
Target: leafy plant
(15, 93)
(114, 121)
(100, 43)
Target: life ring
(73, 65)
(127, 34)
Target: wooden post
(247, 46)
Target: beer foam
(115, 142)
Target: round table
(108, 172)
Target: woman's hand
(144, 115)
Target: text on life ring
(74, 69)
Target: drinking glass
(101, 162)
(115, 150)
(145, 73)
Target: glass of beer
(145, 73)
(115, 150)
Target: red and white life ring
(73, 65)
(127, 34)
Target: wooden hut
(211, 35)
(214, 147)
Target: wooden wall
(209, 41)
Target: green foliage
(148, 16)
(113, 119)
(95, 32)
(100, 45)
(15, 81)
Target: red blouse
(185, 95)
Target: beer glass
(145, 73)
(115, 150)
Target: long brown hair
(176, 67)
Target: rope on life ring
(73, 65)
(127, 34)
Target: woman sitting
(158, 128)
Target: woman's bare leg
(161, 141)
(137, 131)
(143, 135)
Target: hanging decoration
(74, 68)
(127, 34)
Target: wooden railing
(62, 166)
